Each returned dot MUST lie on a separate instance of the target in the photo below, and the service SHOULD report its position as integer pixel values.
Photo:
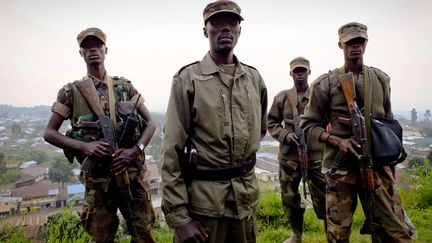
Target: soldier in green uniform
(99, 216)
(344, 184)
(215, 120)
(289, 165)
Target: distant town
(29, 193)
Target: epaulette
(282, 92)
(181, 69)
(249, 66)
(117, 78)
(379, 70)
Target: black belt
(224, 174)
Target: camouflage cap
(91, 32)
(221, 6)
(352, 30)
(299, 62)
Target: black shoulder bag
(385, 133)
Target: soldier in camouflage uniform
(289, 166)
(217, 115)
(99, 216)
(327, 102)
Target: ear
(309, 72)
(291, 73)
(239, 30)
(106, 50)
(80, 52)
(205, 32)
(340, 45)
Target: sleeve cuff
(61, 109)
(177, 218)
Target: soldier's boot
(297, 231)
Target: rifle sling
(368, 104)
(111, 100)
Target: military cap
(221, 6)
(299, 62)
(352, 30)
(91, 32)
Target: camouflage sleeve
(63, 104)
(315, 112)
(177, 123)
(275, 118)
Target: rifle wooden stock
(88, 91)
(359, 130)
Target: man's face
(93, 50)
(223, 31)
(354, 48)
(300, 75)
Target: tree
(60, 171)
(16, 129)
(2, 162)
(416, 162)
(38, 156)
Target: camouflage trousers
(343, 188)
(102, 200)
(228, 230)
(290, 177)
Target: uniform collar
(210, 67)
(95, 80)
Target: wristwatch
(140, 146)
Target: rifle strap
(367, 92)
(111, 99)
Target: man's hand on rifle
(348, 144)
(191, 232)
(123, 159)
(292, 137)
(95, 149)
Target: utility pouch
(130, 125)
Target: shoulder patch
(181, 69)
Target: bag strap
(367, 93)
(111, 99)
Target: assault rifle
(302, 150)
(88, 91)
(359, 130)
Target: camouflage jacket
(327, 102)
(225, 124)
(71, 105)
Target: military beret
(221, 6)
(352, 30)
(299, 62)
(91, 32)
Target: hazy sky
(148, 41)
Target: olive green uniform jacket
(225, 122)
(327, 102)
(281, 110)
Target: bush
(64, 227)
(419, 194)
(9, 177)
(12, 234)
